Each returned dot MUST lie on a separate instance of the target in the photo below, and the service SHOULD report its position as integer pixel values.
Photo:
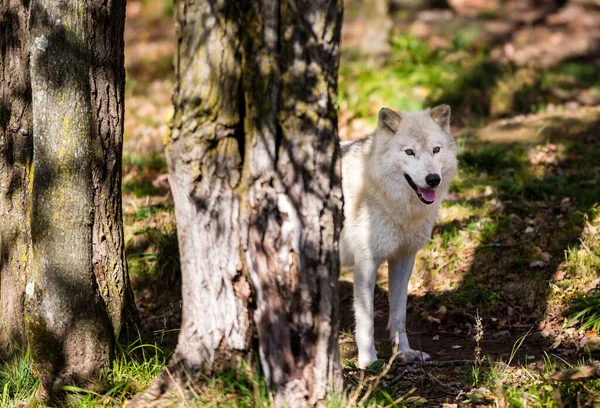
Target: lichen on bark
(15, 173)
(68, 328)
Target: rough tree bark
(77, 80)
(15, 172)
(107, 80)
(255, 175)
(107, 83)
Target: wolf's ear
(389, 120)
(441, 115)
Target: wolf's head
(414, 151)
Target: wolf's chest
(393, 236)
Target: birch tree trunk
(79, 288)
(15, 172)
(255, 175)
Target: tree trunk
(65, 223)
(308, 166)
(107, 83)
(375, 39)
(15, 172)
(255, 176)
(68, 327)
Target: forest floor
(517, 243)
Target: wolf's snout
(433, 179)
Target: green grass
(144, 212)
(583, 266)
(585, 311)
(527, 386)
(144, 170)
(242, 387)
(413, 76)
(17, 381)
(135, 368)
(153, 259)
(462, 75)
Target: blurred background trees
(488, 59)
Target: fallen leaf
(559, 274)
(415, 400)
(430, 318)
(579, 373)
(592, 345)
(557, 341)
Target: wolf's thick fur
(389, 216)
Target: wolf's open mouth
(426, 195)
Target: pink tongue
(427, 193)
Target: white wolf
(393, 182)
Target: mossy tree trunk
(255, 175)
(78, 293)
(15, 172)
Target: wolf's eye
(409, 152)
(436, 150)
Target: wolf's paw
(365, 359)
(411, 356)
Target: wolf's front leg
(365, 274)
(400, 270)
